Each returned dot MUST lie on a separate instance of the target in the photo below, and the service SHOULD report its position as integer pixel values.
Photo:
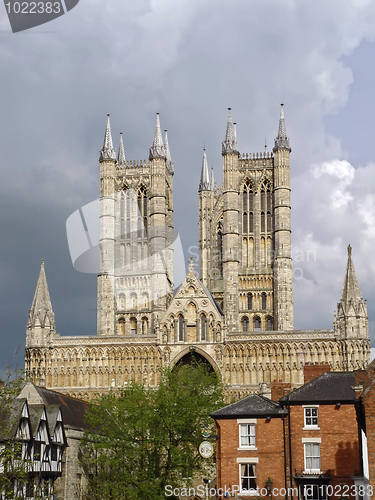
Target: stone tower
(351, 321)
(244, 235)
(135, 283)
(41, 322)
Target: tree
(147, 438)
(13, 469)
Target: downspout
(285, 474)
(290, 448)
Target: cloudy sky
(189, 60)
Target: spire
(168, 153)
(121, 153)
(351, 292)
(41, 308)
(229, 144)
(235, 136)
(282, 141)
(204, 184)
(107, 152)
(212, 187)
(157, 149)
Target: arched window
(121, 301)
(121, 326)
(245, 228)
(245, 324)
(264, 301)
(133, 326)
(220, 249)
(145, 300)
(128, 227)
(256, 324)
(269, 222)
(251, 222)
(262, 222)
(203, 327)
(133, 298)
(249, 301)
(142, 211)
(181, 328)
(269, 324)
(269, 199)
(144, 326)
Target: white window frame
(310, 426)
(306, 444)
(245, 462)
(252, 433)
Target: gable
(192, 300)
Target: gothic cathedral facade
(237, 316)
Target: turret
(231, 248)
(41, 322)
(161, 281)
(351, 320)
(121, 160)
(282, 266)
(205, 208)
(106, 299)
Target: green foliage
(13, 470)
(147, 438)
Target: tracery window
(220, 249)
(248, 208)
(180, 328)
(256, 324)
(203, 327)
(264, 301)
(245, 324)
(249, 301)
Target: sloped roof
(330, 387)
(251, 406)
(10, 420)
(73, 410)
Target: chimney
(311, 371)
(279, 389)
(265, 390)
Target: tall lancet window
(180, 328)
(248, 208)
(142, 211)
(220, 250)
(203, 327)
(265, 208)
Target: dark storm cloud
(189, 60)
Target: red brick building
(305, 446)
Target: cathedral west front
(237, 315)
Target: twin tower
(244, 236)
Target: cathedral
(237, 316)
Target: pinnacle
(42, 302)
(204, 184)
(157, 149)
(121, 153)
(107, 152)
(282, 141)
(350, 291)
(229, 144)
(168, 153)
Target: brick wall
(339, 447)
(311, 371)
(269, 451)
(279, 389)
